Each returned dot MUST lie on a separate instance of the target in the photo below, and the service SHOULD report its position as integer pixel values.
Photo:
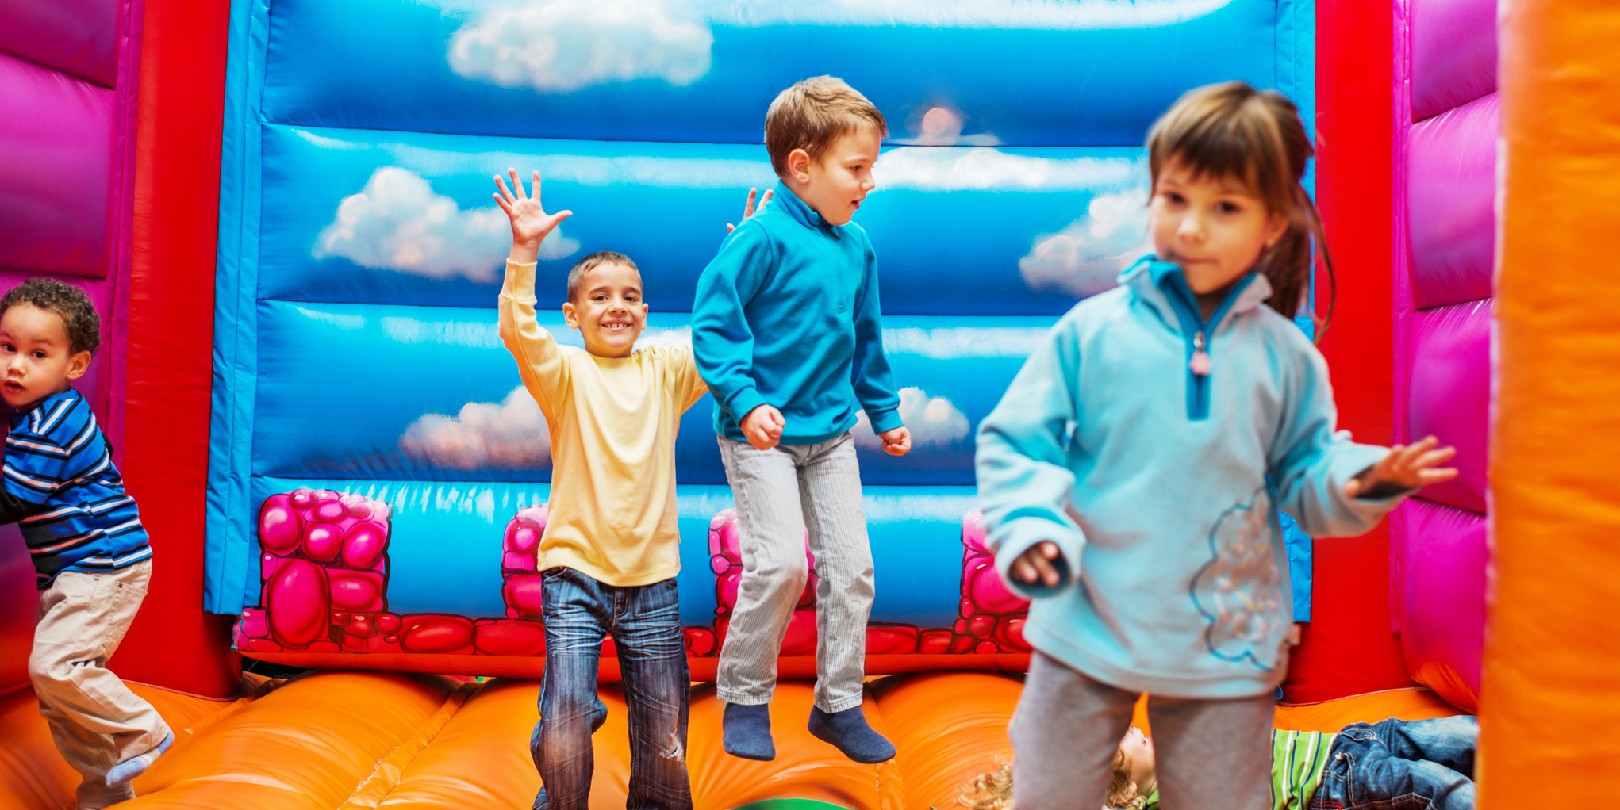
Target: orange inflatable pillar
(1550, 697)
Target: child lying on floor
(1363, 766)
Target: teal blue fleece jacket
(1161, 486)
(787, 315)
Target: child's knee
(566, 707)
(784, 575)
(45, 668)
(850, 575)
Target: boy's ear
(798, 165)
(570, 315)
(78, 364)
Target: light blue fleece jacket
(787, 315)
(1161, 487)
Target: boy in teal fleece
(785, 331)
(1132, 475)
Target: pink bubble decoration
(701, 641)
(437, 633)
(324, 569)
(322, 542)
(297, 603)
(509, 637)
(990, 616)
(331, 511)
(522, 593)
(364, 543)
(892, 640)
(520, 584)
(279, 525)
(356, 590)
(725, 558)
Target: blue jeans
(1400, 765)
(646, 628)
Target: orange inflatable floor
(347, 741)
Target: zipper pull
(1199, 364)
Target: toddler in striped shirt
(91, 557)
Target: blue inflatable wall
(360, 252)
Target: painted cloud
(1086, 257)
(985, 168)
(564, 45)
(933, 421)
(557, 46)
(398, 222)
(507, 434)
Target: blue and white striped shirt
(57, 459)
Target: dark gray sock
(747, 731)
(848, 732)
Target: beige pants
(96, 721)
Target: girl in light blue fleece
(1131, 476)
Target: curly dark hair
(68, 302)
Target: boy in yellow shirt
(610, 551)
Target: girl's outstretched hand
(530, 222)
(1041, 565)
(748, 210)
(1407, 467)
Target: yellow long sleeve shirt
(613, 422)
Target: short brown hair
(812, 114)
(65, 301)
(576, 276)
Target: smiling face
(836, 183)
(36, 355)
(608, 310)
(1214, 227)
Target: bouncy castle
(281, 208)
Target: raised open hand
(748, 210)
(530, 222)
(1407, 467)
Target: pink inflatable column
(68, 73)
(1447, 118)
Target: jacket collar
(1163, 284)
(800, 211)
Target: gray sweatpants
(779, 492)
(1209, 754)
